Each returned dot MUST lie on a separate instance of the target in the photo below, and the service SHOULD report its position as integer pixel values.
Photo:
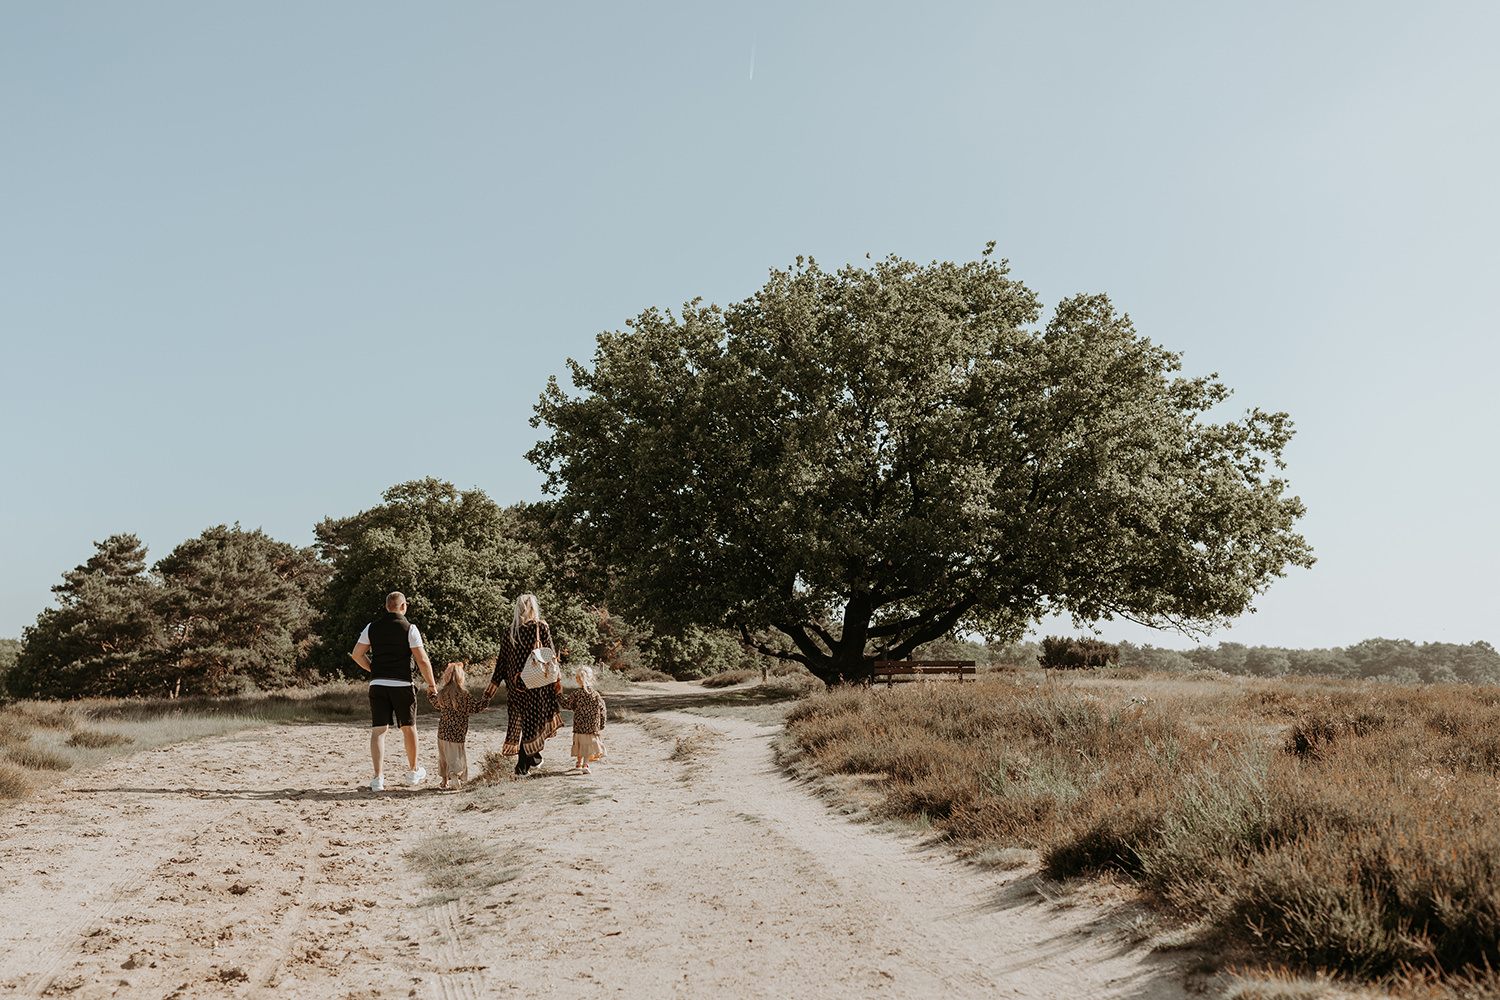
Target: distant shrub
(693, 653)
(641, 675)
(1071, 654)
(1150, 658)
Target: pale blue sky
(259, 262)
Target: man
(385, 650)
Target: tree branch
(765, 650)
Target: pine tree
(103, 638)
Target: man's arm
(425, 665)
(361, 655)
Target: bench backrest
(892, 671)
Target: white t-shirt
(413, 639)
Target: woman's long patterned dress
(532, 715)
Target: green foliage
(1399, 661)
(895, 449)
(237, 604)
(459, 558)
(1064, 654)
(10, 651)
(693, 652)
(1146, 657)
(104, 636)
(1010, 654)
(229, 607)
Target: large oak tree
(869, 459)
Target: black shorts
(392, 705)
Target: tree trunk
(848, 663)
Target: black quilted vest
(390, 654)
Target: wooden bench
(902, 671)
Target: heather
(1339, 825)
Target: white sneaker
(377, 784)
(416, 777)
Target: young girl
(455, 704)
(588, 719)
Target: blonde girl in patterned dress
(588, 719)
(454, 704)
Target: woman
(532, 713)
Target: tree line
(841, 465)
(1395, 661)
(234, 609)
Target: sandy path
(257, 865)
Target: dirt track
(258, 865)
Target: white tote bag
(542, 666)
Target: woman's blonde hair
(584, 675)
(527, 610)
(451, 687)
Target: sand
(258, 865)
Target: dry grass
(37, 758)
(646, 675)
(95, 739)
(691, 746)
(13, 782)
(1348, 826)
(13, 731)
(44, 738)
(1278, 985)
(43, 715)
(729, 678)
(457, 863)
(495, 768)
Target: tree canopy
(104, 635)
(460, 559)
(237, 603)
(228, 604)
(869, 459)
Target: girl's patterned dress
(453, 733)
(588, 722)
(532, 714)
